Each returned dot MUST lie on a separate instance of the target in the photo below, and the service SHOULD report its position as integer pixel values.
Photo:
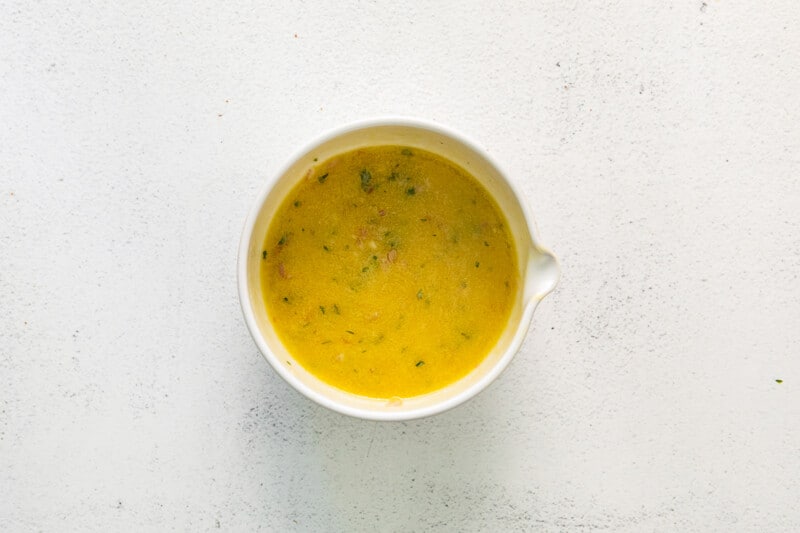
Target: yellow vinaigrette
(389, 272)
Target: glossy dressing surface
(388, 272)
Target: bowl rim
(246, 304)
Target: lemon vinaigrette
(388, 272)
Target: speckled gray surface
(658, 144)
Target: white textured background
(658, 144)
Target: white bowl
(538, 268)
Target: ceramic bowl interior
(538, 269)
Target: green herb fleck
(322, 178)
(477, 264)
(321, 308)
(392, 176)
(336, 309)
(411, 191)
(778, 381)
(406, 151)
(264, 254)
(366, 179)
(364, 269)
(297, 203)
(288, 362)
(466, 335)
(315, 159)
(286, 299)
(420, 363)
(485, 243)
(423, 220)
(350, 332)
(374, 257)
(325, 247)
(419, 294)
(282, 241)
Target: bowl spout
(542, 274)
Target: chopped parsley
(366, 181)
